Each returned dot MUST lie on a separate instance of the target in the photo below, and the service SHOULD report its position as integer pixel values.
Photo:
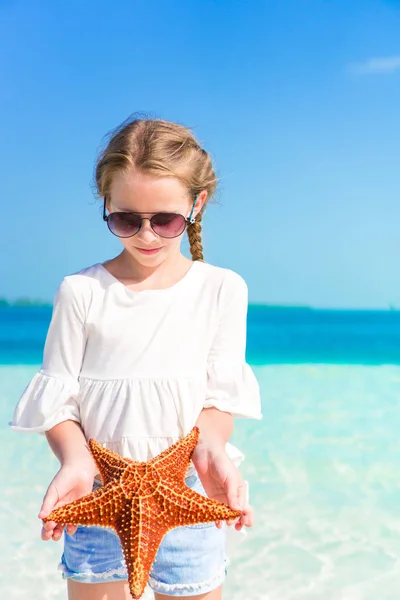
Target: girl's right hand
(70, 483)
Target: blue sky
(296, 100)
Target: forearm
(215, 427)
(68, 443)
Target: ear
(108, 204)
(201, 199)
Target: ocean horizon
(275, 335)
(322, 465)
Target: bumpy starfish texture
(142, 501)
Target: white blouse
(135, 368)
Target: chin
(151, 259)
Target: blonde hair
(162, 148)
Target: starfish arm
(186, 507)
(97, 508)
(110, 464)
(140, 529)
(175, 459)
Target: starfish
(142, 501)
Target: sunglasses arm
(191, 219)
(105, 217)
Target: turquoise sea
(323, 464)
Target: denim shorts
(191, 560)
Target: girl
(141, 348)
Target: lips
(148, 250)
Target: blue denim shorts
(191, 560)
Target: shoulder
(77, 288)
(225, 282)
(84, 278)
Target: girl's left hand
(223, 481)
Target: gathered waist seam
(144, 378)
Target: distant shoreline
(253, 306)
(24, 302)
(28, 302)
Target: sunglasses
(164, 224)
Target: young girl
(140, 349)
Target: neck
(169, 270)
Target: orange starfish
(142, 501)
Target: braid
(194, 235)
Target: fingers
(51, 530)
(58, 530)
(71, 529)
(236, 496)
(247, 518)
(54, 531)
(47, 530)
(236, 491)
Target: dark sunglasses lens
(124, 224)
(168, 225)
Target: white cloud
(383, 65)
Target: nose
(146, 233)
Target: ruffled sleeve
(231, 384)
(51, 396)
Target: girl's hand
(223, 481)
(70, 483)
